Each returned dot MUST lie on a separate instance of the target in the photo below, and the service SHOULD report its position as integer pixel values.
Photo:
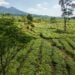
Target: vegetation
(29, 18)
(67, 7)
(53, 20)
(38, 50)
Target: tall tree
(67, 7)
(29, 18)
(11, 37)
(5, 27)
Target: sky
(40, 7)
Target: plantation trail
(53, 68)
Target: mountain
(15, 11)
(11, 10)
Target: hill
(11, 10)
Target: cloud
(4, 3)
(45, 9)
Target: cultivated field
(42, 49)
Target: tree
(5, 23)
(29, 18)
(53, 20)
(10, 37)
(67, 7)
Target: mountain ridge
(18, 12)
(12, 11)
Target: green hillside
(41, 48)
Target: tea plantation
(42, 49)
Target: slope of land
(49, 52)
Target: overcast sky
(40, 7)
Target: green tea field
(40, 50)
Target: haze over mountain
(11, 10)
(15, 11)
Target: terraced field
(45, 57)
(50, 53)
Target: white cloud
(4, 3)
(73, 2)
(45, 9)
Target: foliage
(67, 7)
(10, 37)
(51, 53)
(29, 18)
(53, 20)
